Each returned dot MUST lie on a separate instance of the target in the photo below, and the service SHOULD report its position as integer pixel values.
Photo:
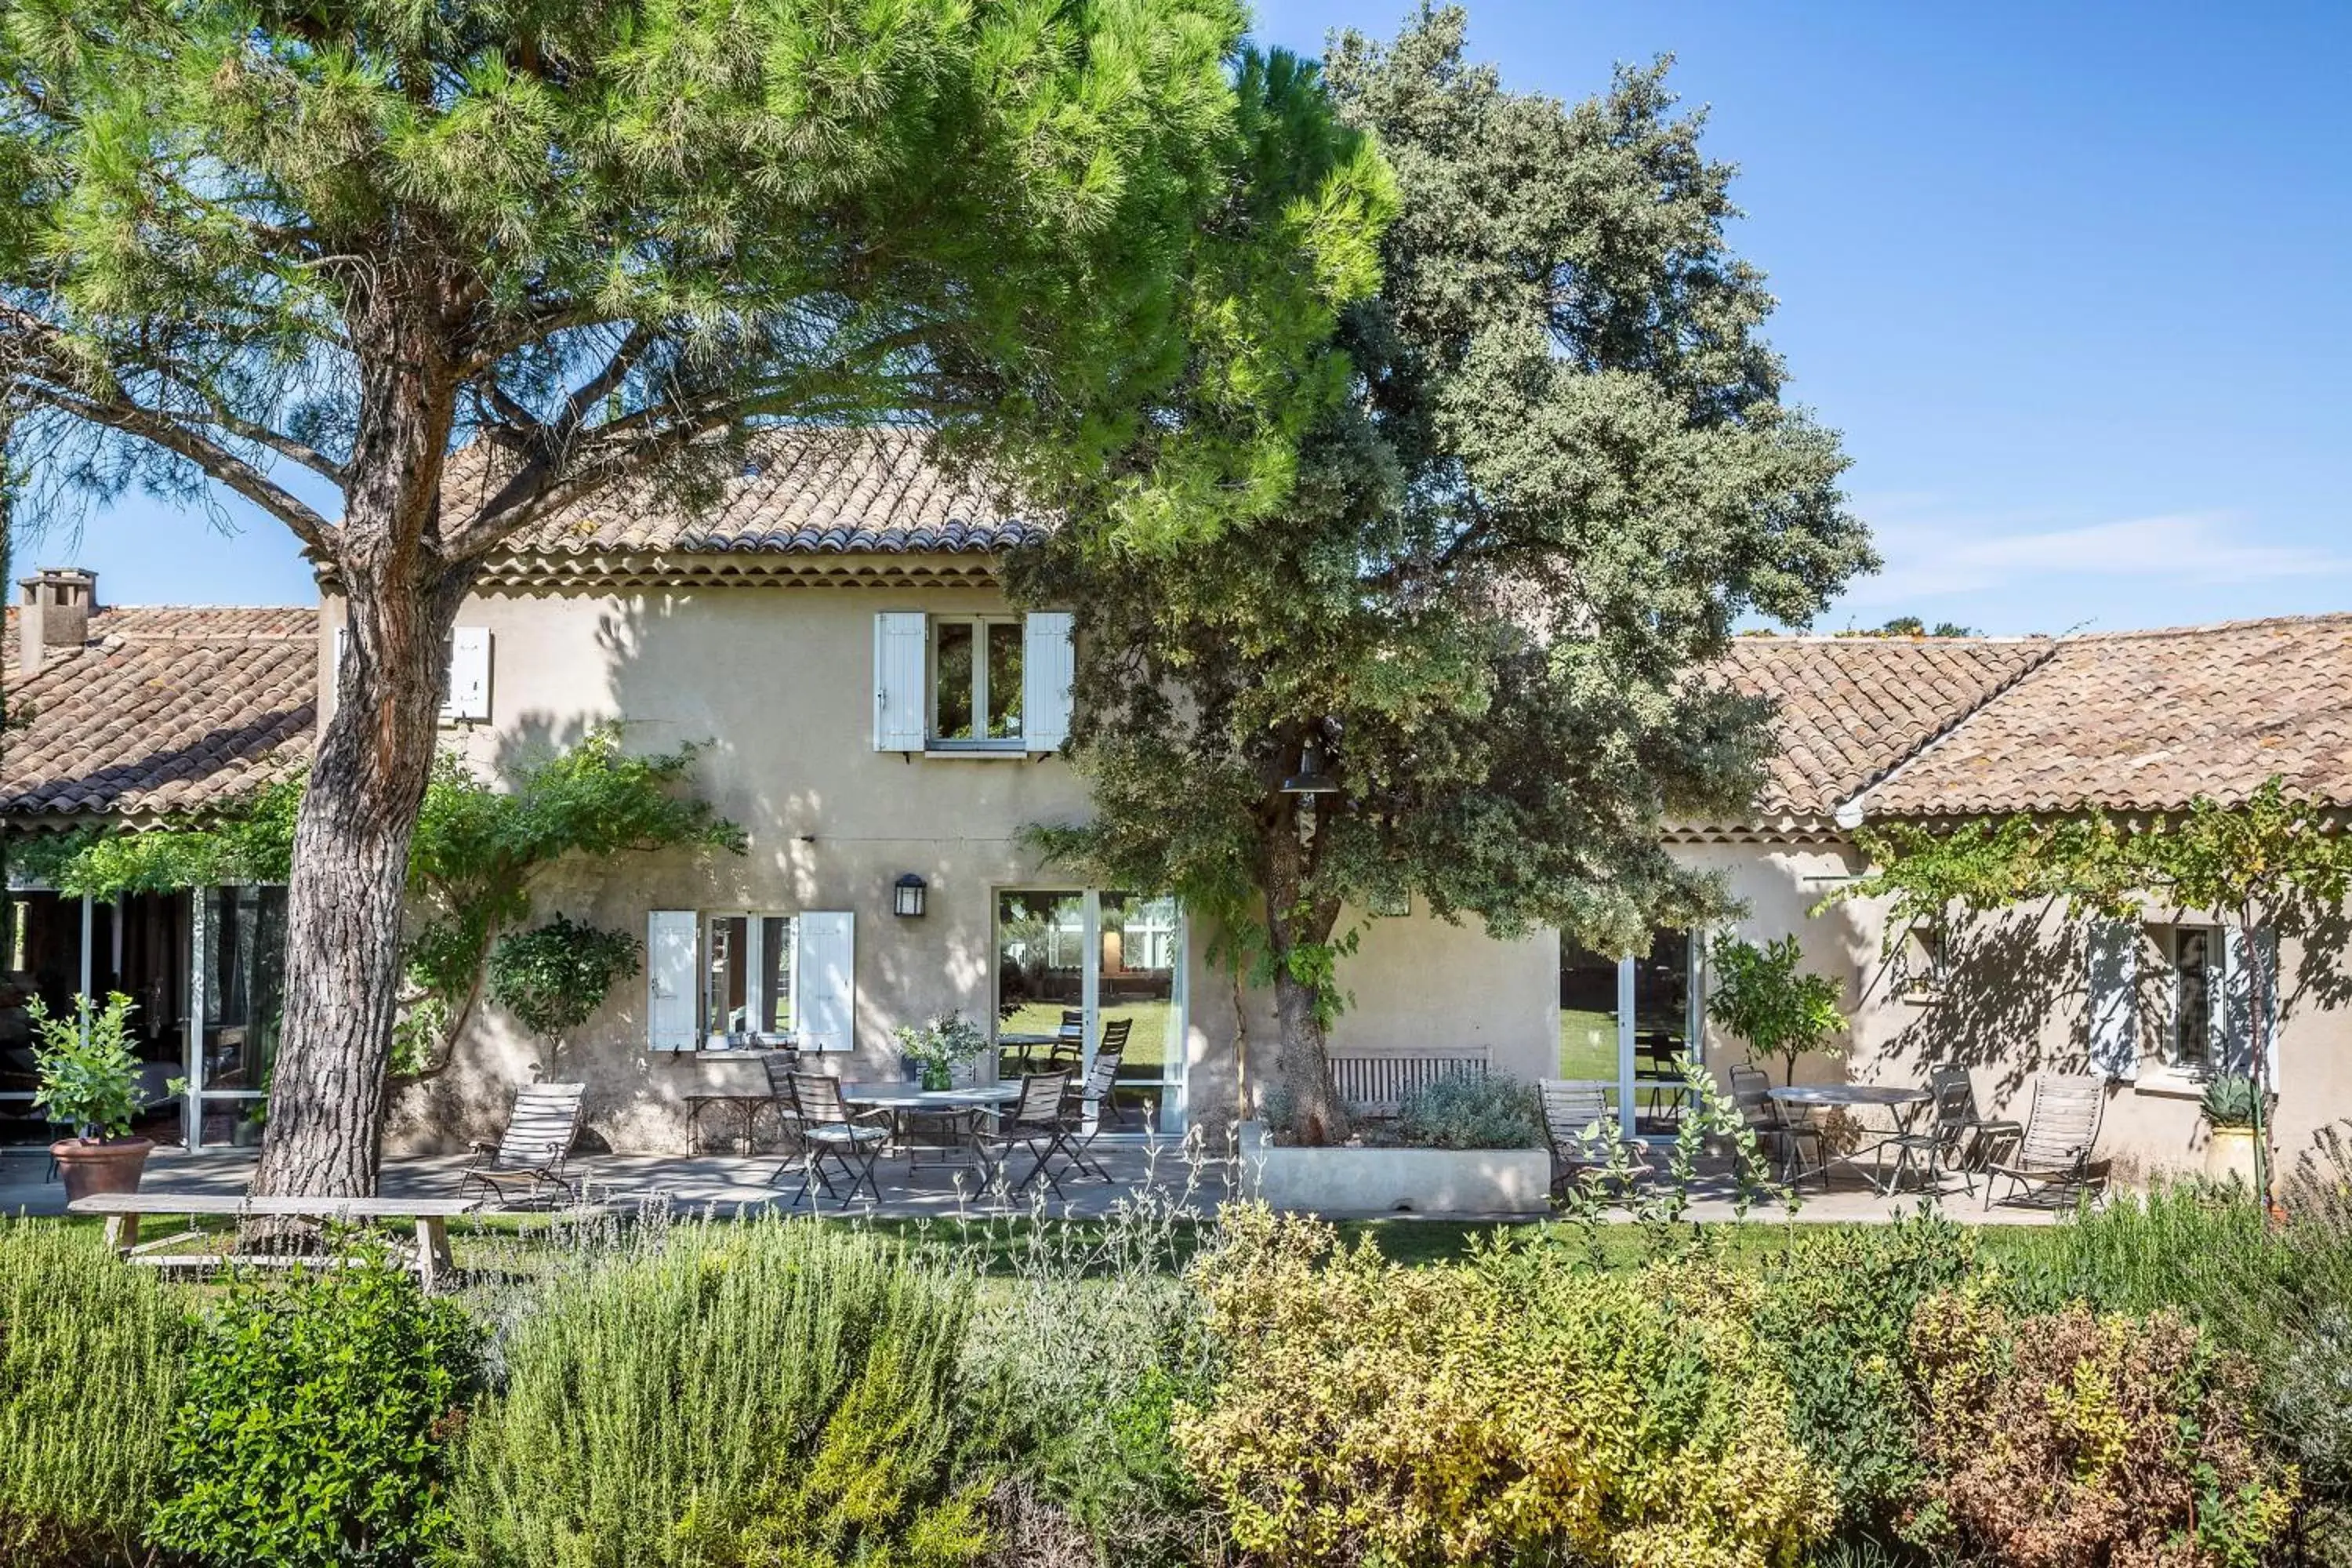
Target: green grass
(1147, 1044)
(1587, 1044)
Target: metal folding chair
(1032, 1122)
(826, 1130)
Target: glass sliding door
(1070, 961)
(1630, 1022)
(240, 944)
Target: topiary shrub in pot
(91, 1085)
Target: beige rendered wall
(2014, 1004)
(778, 684)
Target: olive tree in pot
(2231, 1124)
(90, 1083)
(1766, 997)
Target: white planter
(2229, 1152)
(1343, 1181)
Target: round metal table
(1901, 1101)
(954, 1107)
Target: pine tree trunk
(1302, 1064)
(367, 786)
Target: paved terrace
(731, 1186)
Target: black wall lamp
(1310, 779)
(907, 896)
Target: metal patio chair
(1780, 1137)
(1955, 1139)
(823, 1129)
(1089, 1108)
(527, 1161)
(2061, 1131)
(1032, 1122)
(1581, 1129)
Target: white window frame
(979, 623)
(755, 972)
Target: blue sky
(2075, 281)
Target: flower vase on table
(935, 1050)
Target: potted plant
(1765, 997)
(2229, 1121)
(91, 1085)
(933, 1051)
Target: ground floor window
(1070, 961)
(1630, 1022)
(2194, 956)
(748, 969)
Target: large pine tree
(590, 239)
(1564, 468)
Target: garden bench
(122, 1212)
(1378, 1085)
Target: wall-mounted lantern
(907, 897)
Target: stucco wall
(777, 682)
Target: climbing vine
(2269, 862)
(478, 852)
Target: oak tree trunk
(367, 784)
(1302, 1064)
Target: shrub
(769, 1391)
(554, 977)
(90, 1084)
(90, 1351)
(2083, 1438)
(1835, 1318)
(1516, 1407)
(318, 1421)
(1472, 1110)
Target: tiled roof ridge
(1849, 810)
(2213, 628)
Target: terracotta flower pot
(113, 1166)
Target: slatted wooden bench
(122, 1212)
(1375, 1085)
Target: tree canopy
(1563, 469)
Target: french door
(1097, 958)
(1631, 1023)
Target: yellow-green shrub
(2076, 1439)
(1513, 1406)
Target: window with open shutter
(671, 988)
(2245, 955)
(1048, 665)
(826, 974)
(900, 662)
(2113, 969)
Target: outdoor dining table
(903, 1101)
(1902, 1102)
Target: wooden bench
(1378, 1085)
(122, 1212)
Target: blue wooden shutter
(2112, 973)
(901, 650)
(1048, 665)
(2243, 951)
(826, 974)
(670, 975)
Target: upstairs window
(977, 685)
(976, 664)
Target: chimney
(55, 614)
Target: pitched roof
(801, 491)
(2147, 721)
(163, 708)
(1849, 709)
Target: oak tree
(1563, 469)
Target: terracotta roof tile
(1850, 709)
(2147, 721)
(802, 492)
(163, 709)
